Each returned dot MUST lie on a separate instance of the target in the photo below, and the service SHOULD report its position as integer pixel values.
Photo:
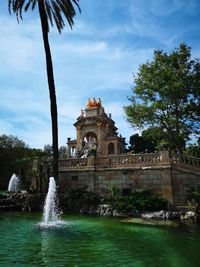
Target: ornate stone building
(166, 174)
(96, 133)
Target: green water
(94, 241)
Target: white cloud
(20, 49)
(162, 8)
(95, 59)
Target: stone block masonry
(158, 172)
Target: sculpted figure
(82, 113)
(99, 103)
(94, 102)
(89, 103)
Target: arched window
(110, 148)
(90, 137)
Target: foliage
(62, 151)
(92, 151)
(166, 95)
(17, 157)
(138, 201)
(53, 9)
(193, 150)
(11, 141)
(14, 153)
(150, 140)
(83, 196)
(193, 196)
(113, 190)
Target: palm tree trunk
(52, 93)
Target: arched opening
(90, 137)
(110, 148)
(89, 145)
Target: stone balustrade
(73, 163)
(184, 160)
(114, 161)
(130, 160)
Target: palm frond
(55, 10)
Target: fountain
(13, 185)
(50, 213)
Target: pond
(94, 241)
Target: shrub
(81, 195)
(138, 201)
(193, 196)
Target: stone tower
(96, 133)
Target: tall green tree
(193, 149)
(166, 95)
(50, 12)
(151, 140)
(15, 156)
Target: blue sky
(109, 41)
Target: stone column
(99, 136)
(167, 176)
(115, 148)
(165, 159)
(68, 148)
(91, 173)
(78, 135)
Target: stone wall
(182, 179)
(157, 179)
(130, 172)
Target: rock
(189, 216)
(151, 222)
(154, 215)
(105, 210)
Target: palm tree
(50, 11)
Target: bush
(193, 196)
(82, 196)
(138, 201)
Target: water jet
(51, 214)
(13, 185)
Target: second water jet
(51, 215)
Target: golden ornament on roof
(94, 103)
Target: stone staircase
(185, 173)
(186, 162)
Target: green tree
(166, 95)
(193, 196)
(136, 143)
(150, 140)
(193, 150)
(50, 11)
(48, 150)
(15, 156)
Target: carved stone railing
(114, 161)
(184, 160)
(72, 163)
(128, 160)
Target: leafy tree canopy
(167, 95)
(151, 140)
(193, 150)
(16, 155)
(11, 141)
